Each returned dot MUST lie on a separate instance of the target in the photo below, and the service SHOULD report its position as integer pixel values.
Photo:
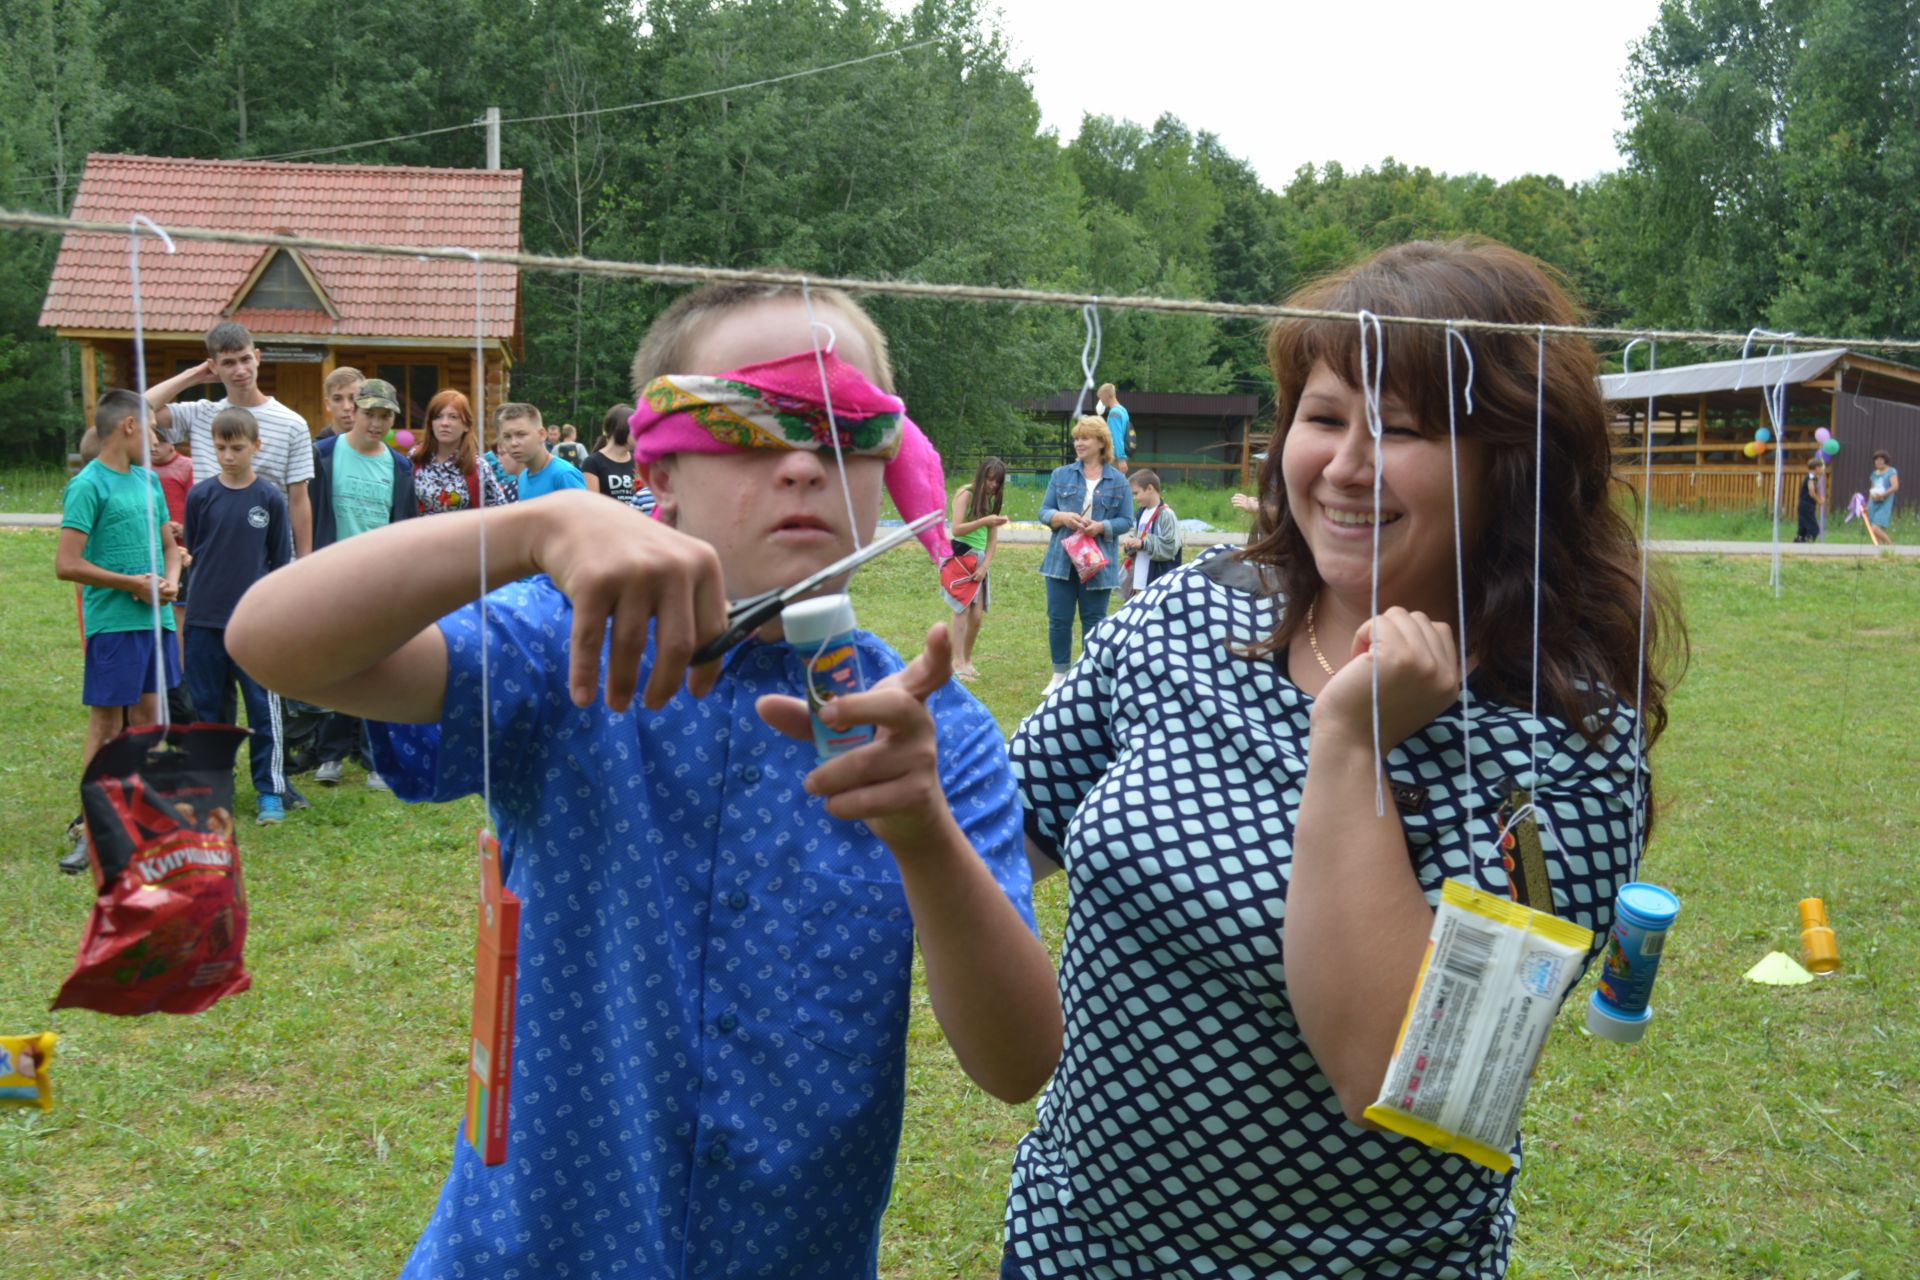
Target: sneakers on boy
(328, 774)
(294, 800)
(377, 783)
(75, 860)
(272, 812)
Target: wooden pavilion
(1703, 415)
(410, 321)
(1187, 437)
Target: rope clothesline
(681, 273)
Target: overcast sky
(1500, 87)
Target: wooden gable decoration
(282, 281)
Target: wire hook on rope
(1453, 336)
(1089, 356)
(815, 327)
(1640, 666)
(136, 225)
(1373, 362)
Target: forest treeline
(1772, 165)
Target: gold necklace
(1313, 641)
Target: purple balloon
(1821, 436)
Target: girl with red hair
(447, 475)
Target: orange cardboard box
(495, 967)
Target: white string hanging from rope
(1459, 556)
(1539, 471)
(1773, 394)
(815, 327)
(1371, 374)
(480, 506)
(135, 225)
(1640, 650)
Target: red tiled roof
(377, 297)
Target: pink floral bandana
(778, 404)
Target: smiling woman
(1244, 926)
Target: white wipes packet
(1492, 979)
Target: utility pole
(492, 121)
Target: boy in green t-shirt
(113, 515)
(359, 484)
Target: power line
(311, 152)
(371, 142)
(709, 93)
(670, 273)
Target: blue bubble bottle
(1621, 1007)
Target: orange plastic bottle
(1816, 937)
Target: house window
(199, 390)
(415, 384)
(283, 287)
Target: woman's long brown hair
(990, 473)
(1589, 553)
(425, 447)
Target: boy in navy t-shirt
(238, 531)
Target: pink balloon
(403, 439)
(1820, 436)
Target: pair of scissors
(744, 617)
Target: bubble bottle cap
(1646, 906)
(816, 621)
(1610, 1024)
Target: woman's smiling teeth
(1359, 517)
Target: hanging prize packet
(490, 1065)
(1492, 980)
(169, 921)
(24, 1081)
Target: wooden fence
(1713, 488)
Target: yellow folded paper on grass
(1779, 969)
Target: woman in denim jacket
(1062, 511)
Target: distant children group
(250, 488)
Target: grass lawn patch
(303, 1129)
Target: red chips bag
(170, 917)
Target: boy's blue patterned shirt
(710, 1034)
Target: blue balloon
(1763, 435)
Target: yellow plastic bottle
(1816, 937)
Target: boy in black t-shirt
(238, 532)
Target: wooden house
(408, 320)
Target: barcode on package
(1465, 952)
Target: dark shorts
(120, 667)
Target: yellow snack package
(23, 1071)
(1493, 978)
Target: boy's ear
(658, 476)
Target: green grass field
(302, 1129)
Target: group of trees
(1771, 166)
